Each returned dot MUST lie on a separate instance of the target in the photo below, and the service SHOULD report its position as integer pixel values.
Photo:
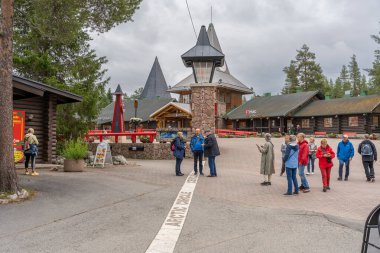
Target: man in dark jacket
(211, 151)
(196, 147)
(369, 154)
(179, 153)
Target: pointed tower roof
(214, 41)
(156, 85)
(118, 90)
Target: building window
(375, 121)
(353, 121)
(305, 123)
(328, 122)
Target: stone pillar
(203, 99)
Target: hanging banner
(18, 135)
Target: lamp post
(203, 59)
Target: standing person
(303, 159)
(312, 151)
(197, 148)
(291, 164)
(298, 129)
(345, 154)
(325, 155)
(30, 152)
(267, 160)
(369, 155)
(283, 150)
(211, 150)
(179, 152)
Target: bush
(331, 135)
(145, 139)
(75, 150)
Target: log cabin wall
(44, 124)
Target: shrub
(331, 135)
(145, 139)
(75, 150)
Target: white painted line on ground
(167, 237)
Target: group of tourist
(200, 147)
(298, 154)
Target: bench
(320, 133)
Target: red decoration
(18, 134)
(118, 117)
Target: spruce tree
(355, 76)
(344, 78)
(374, 72)
(291, 81)
(338, 91)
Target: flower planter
(73, 165)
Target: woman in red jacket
(325, 154)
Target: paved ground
(121, 209)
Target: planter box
(73, 165)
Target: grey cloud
(259, 38)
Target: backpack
(172, 145)
(26, 146)
(366, 149)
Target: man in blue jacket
(345, 154)
(196, 145)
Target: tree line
(305, 74)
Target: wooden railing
(133, 135)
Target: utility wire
(191, 20)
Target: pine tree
(338, 91)
(291, 81)
(374, 72)
(109, 96)
(8, 175)
(363, 85)
(310, 74)
(355, 76)
(344, 78)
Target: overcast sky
(258, 37)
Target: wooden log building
(40, 101)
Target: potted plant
(74, 153)
(145, 139)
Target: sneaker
(328, 188)
(34, 173)
(373, 180)
(202, 174)
(288, 194)
(339, 179)
(368, 179)
(264, 183)
(269, 183)
(26, 172)
(307, 173)
(196, 173)
(306, 190)
(312, 173)
(346, 179)
(301, 187)
(324, 189)
(296, 193)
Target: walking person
(303, 159)
(283, 150)
(267, 160)
(196, 146)
(30, 152)
(369, 155)
(312, 151)
(345, 154)
(211, 150)
(291, 164)
(179, 152)
(325, 154)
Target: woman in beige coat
(267, 160)
(31, 152)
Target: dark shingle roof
(155, 85)
(272, 106)
(145, 109)
(340, 106)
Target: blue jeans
(178, 162)
(291, 175)
(310, 164)
(211, 164)
(341, 163)
(301, 173)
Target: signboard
(171, 134)
(18, 135)
(103, 154)
(250, 112)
